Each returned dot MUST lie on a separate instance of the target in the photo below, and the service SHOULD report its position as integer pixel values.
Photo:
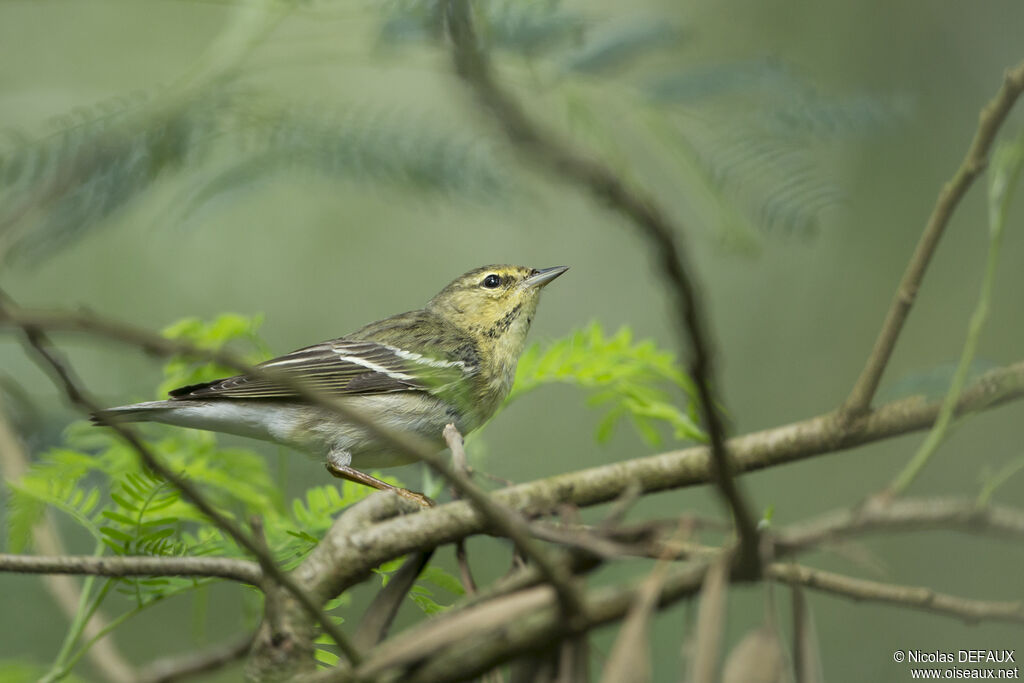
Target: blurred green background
(794, 304)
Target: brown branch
(914, 597)
(903, 515)
(461, 464)
(382, 611)
(39, 343)
(973, 164)
(243, 571)
(170, 669)
(652, 223)
(511, 524)
(661, 540)
(271, 593)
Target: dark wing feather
(340, 367)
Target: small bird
(452, 361)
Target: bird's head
(494, 302)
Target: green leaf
(621, 43)
(629, 378)
(442, 579)
(328, 659)
(426, 603)
(23, 513)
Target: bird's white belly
(321, 432)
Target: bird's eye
(491, 281)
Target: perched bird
(452, 361)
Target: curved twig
(653, 224)
(989, 122)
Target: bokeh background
(884, 101)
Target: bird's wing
(339, 367)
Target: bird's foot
(351, 474)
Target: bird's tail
(136, 412)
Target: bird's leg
(351, 474)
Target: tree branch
(381, 612)
(989, 122)
(510, 523)
(243, 571)
(171, 669)
(914, 597)
(903, 515)
(653, 225)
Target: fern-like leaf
(632, 379)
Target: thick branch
(653, 225)
(989, 122)
(223, 567)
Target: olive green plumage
(452, 361)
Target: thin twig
(629, 659)
(510, 523)
(382, 611)
(243, 571)
(665, 240)
(170, 669)
(461, 464)
(989, 122)
(38, 342)
(914, 597)
(1003, 181)
(903, 515)
(271, 592)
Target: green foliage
(632, 380)
(746, 137)
(749, 140)
(227, 327)
(57, 187)
(54, 189)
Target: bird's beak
(539, 278)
